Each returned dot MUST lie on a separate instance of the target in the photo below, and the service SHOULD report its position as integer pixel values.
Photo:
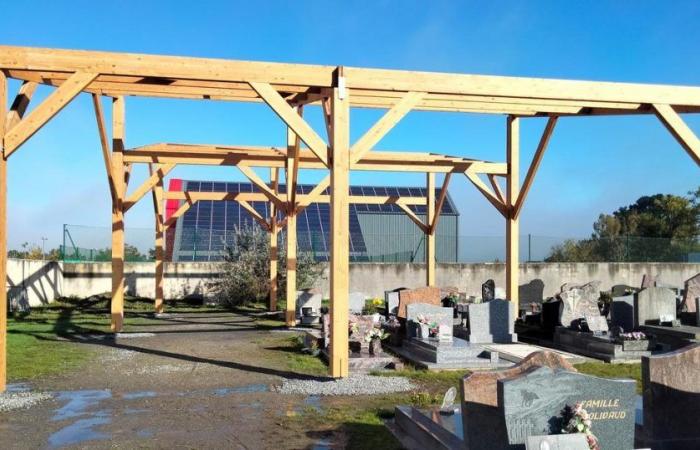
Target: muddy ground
(201, 381)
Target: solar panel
(206, 228)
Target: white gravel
(353, 385)
(133, 335)
(19, 400)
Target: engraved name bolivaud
(609, 403)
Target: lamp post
(43, 249)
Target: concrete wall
(33, 283)
(43, 282)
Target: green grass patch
(290, 352)
(434, 381)
(605, 370)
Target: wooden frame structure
(287, 89)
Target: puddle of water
(139, 394)
(145, 433)
(314, 402)
(78, 402)
(322, 444)
(17, 387)
(250, 388)
(81, 430)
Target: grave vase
(423, 331)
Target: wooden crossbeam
(189, 202)
(54, 103)
(260, 184)
(411, 215)
(256, 215)
(104, 143)
(155, 177)
(19, 106)
(680, 130)
(496, 188)
(314, 194)
(384, 125)
(440, 202)
(481, 186)
(534, 165)
(292, 165)
(292, 119)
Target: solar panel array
(205, 230)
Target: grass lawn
(604, 370)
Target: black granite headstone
(488, 290)
(532, 403)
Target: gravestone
(620, 290)
(488, 290)
(597, 324)
(500, 293)
(648, 281)
(622, 312)
(532, 402)
(692, 292)
(309, 298)
(573, 441)
(493, 321)
(426, 295)
(356, 302)
(361, 325)
(441, 316)
(577, 301)
(550, 314)
(532, 292)
(653, 304)
(671, 413)
(481, 421)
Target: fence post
(529, 247)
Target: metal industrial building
(378, 233)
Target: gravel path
(353, 385)
(20, 400)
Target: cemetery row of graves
(523, 390)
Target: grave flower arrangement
(633, 336)
(375, 333)
(577, 420)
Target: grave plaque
(577, 301)
(672, 399)
(574, 441)
(493, 321)
(482, 423)
(532, 402)
(441, 316)
(622, 312)
(488, 290)
(426, 295)
(653, 304)
(356, 302)
(597, 324)
(692, 292)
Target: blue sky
(593, 165)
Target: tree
(660, 227)
(34, 252)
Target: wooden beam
(155, 178)
(19, 106)
(291, 287)
(384, 125)
(340, 236)
(411, 215)
(440, 203)
(534, 165)
(315, 193)
(497, 188)
(3, 237)
(292, 119)
(481, 187)
(678, 128)
(182, 209)
(292, 164)
(104, 143)
(260, 184)
(256, 215)
(429, 234)
(157, 195)
(274, 182)
(54, 103)
(118, 170)
(512, 226)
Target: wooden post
(430, 233)
(118, 173)
(512, 228)
(340, 224)
(157, 194)
(3, 236)
(274, 180)
(291, 293)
